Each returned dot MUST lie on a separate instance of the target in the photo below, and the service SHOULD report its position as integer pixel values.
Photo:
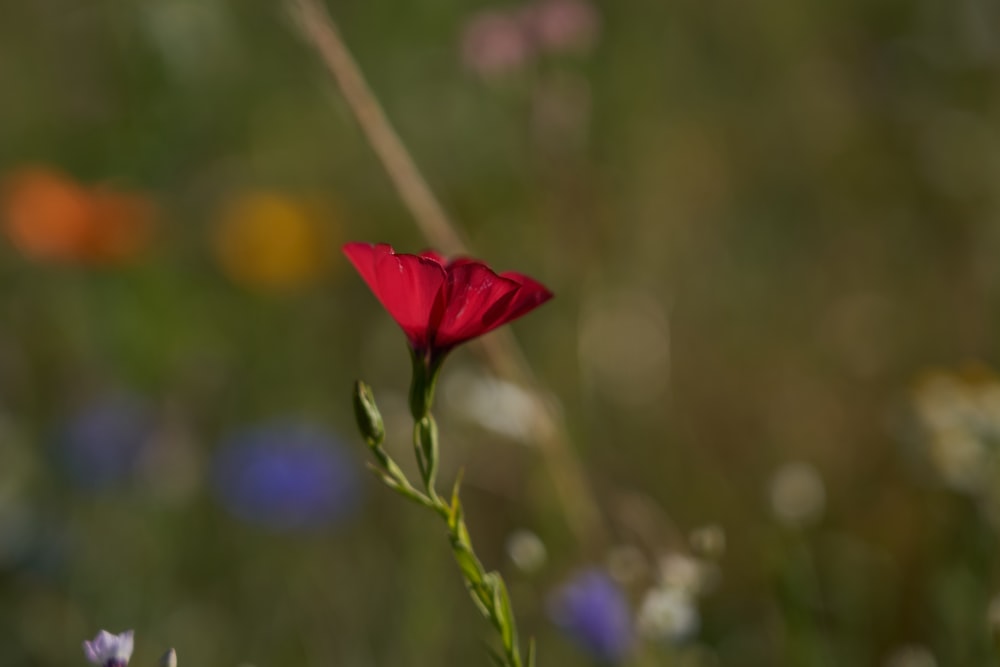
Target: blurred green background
(772, 230)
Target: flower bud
(367, 415)
(425, 439)
(169, 659)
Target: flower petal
(476, 302)
(107, 648)
(434, 255)
(531, 295)
(408, 286)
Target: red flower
(442, 304)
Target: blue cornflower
(285, 476)
(593, 611)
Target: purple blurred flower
(593, 611)
(495, 43)
(101, 442)
(286, 476)
(108, 650)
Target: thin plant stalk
(487, 589)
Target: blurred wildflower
(494, 43)
(441, 304)
(274, 242)
(959, 416)
(667, 614)
(911, 656)
(797, 494)
(563, 26)
(49, 217)
(494, 404)
(108, 650)
(195, 38)
(103, 440)
(593, 611)
(687, 574)
(285, 476)
(526, 550)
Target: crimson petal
(476, 301)
(530, 295)
(408, 286)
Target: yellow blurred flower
(50, 217)
(274, 242)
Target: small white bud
(798, 497)
(527, 551)
(169, 659)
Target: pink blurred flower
(561, 26)
(495, 43)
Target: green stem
(488, 590)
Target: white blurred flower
(797, 494)
(961, 459)
(667, 614)
(911, 656)
(108, 650)
(950, 402)
(527, 551)
(960, 418)
(496, 405)
(683, 573)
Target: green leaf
(456, 506)
(531, 652)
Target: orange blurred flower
(50, 217)
(274, 242)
